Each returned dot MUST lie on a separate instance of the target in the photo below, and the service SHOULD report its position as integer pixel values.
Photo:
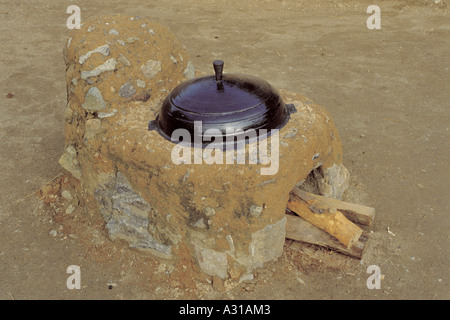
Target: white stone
(255, 211)
(246, 277)
(70, 209)
(174, 60)
(102, 115)
(151, 68)
(113, 32)
(104, 50)
(109, 65)
(140, 83)
(66, 194)
(210, 211)
(189, 72)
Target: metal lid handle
(218, 69)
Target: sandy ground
(388, 91)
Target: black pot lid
(230, 103)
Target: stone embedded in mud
(189, 72)
(102, 115)
(200, 224)
(151, 68)
(109, 65)
(140, 83)
(104, 50)
(212, 262)
(132, 39)
(113, 32)
(127, 90)
(68, 114)
(174, 60)
(127, 215)
(209, 211)
(69, 162)
(335, 181)
(93, 101)
(123, 60)
(255, 211)
(267, 243)
(92, 128)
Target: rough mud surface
(386, 90)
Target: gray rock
(291, 134)
(109, 65)
(189, 72)
(93, 101)
(113, 32)
(335, 181)
(123, 60)
(127, 90)
(69, 162)
(267, 243)
(127, 215)
(151, 68)
(211, 262)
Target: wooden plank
(354, 212)
(299, 229)
(334, 223)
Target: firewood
(335, 224)
(354, 212)
(299, 229)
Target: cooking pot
(231, 104)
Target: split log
(334, 222)
(354, 212)
(299, 229)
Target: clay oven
(227, 218)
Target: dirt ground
(387, 90)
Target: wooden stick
(354, 212)
(299, 229)
(334, 223)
